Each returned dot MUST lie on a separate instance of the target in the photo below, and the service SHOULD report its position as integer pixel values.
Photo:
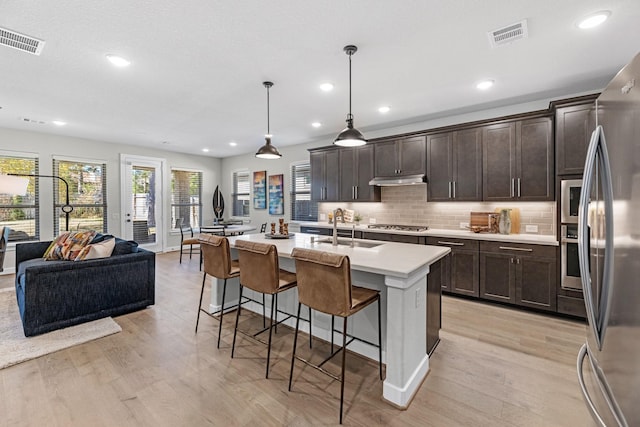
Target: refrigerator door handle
(585, 393)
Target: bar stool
(260, 272)
(324, 284)
(217, 261)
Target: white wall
(46, 146)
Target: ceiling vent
(32, 121)
(508, 34)
(20, 41)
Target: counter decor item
(514, 216)
(218, 204)
(357, 218)
(480, 222)
(504, 223)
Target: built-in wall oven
(569, 202)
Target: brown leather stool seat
(260, 272)
(324, 284)
(217, 261)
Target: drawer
(522, 249)
(453, 243)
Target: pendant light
(350, 136)
(268, 151)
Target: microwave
(570, 200)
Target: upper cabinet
(454, 165)
(405, 156)
(574, 125)
(325, 174)
(356, 170)
(518, 160)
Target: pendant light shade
(350, 136)
(268, 151)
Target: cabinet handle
(517, 260)
(511, 248)
(357, 192)
(518, 187)
(454, 189)
(442, 242)
(449, 189)
(513, 190)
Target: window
(241, 193)
(302, 207)
(186, 197)
(87, 195)
(20, 212)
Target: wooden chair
(187, 238)
(217, 262)
(324, 284)
(260, 272)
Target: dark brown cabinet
(389, 237)
(405, 156)
(454, 165)
(518, 161)
(574, 125)
(518, 274)
(434, 304)
(356, 170)
(325, 175)
(461, 267)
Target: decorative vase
(504, 223)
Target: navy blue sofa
(56, 294)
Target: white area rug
(16, 348)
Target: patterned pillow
(68, 245)
(101, 249)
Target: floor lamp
(66, 208)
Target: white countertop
(538, 239)
(389, 258)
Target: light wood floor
(494, 367)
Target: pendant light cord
(350, 115)
(268, 128)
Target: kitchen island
(400, 272)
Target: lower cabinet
(388, 237)
(316, 230)
(434, 304)
(461, 267)
(519, 274)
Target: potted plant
(357, 218)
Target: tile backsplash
(408, 205)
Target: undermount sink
(348, 242)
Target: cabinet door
(467, 165)
(434, 304)
(536, 283)
(497, 277)
(464, 272)
(498, 161)
(445, 281)
(316, 160)
(332, 175)
(348, 170)
(440, 166)
(365, 165)
(534, 154)
(386, 158)
(412, 156)
(573, 131)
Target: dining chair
(187, 238)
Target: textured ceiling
(197, 67)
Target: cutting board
(479, 219)
(515, 219)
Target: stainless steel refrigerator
(609, 252)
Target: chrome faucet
(337, 212)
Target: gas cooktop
(399, 227)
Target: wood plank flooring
(495, 366)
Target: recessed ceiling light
(58, 123)
(485, 84)
(326, 87)
(118, 61)
(316, 124)
(206, 150)
(384, 109)
(594, 19)
(233, 144)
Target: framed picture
(276, 195)
(260, 190)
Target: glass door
(142, 201)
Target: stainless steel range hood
(400, 180)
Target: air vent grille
(508, 34)
(20, 41)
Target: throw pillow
(68, 245)
(124, 247)
(101, 249)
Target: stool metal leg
(332, 328)
(224, 291)
(380, 336)
(276, 297)
(310, 331)
(235, 331)
(273, 297)
(344, 358)
(264, 312)
(295, 341)
(204, 279)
